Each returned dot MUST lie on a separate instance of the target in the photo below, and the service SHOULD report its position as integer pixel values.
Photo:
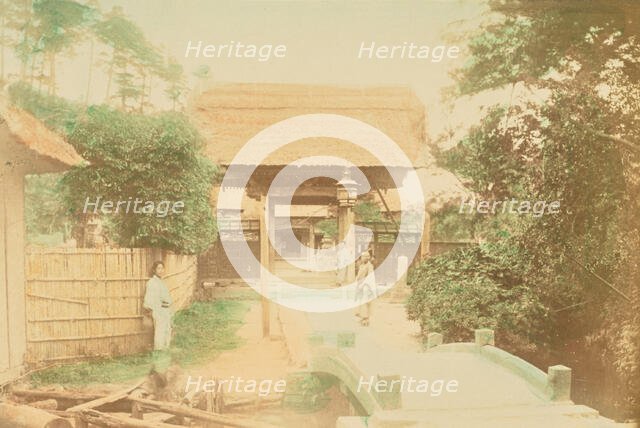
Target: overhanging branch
(626, 143)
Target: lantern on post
(347, 190)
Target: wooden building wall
(12, 284)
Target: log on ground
(101, 419)
(12, 416)
(200, 415)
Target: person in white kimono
(158, 300)
(366, 287)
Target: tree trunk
(2, 36)
(52, 74)
(33, 70)
(41, 73)
(142, 93)
(90, 71)
(110, 77)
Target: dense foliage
(57, 113)
(154, 158)
(45, 213)
(572, 137)
(42, 33)
(151, 158)
(473, 288)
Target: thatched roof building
(228, 115)
(26, 147)
(29, 141)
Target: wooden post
(559, 383)
(345, 221)
(264, 264)
(12, 283)
(426, 237)
(433, 340)
(311, 248)
(484, 336)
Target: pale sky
(322, 38)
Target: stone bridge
(446, 385)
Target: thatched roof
(228, 115)
(45, 144)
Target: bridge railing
(555, 385)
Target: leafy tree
(58, 114)
(367, 211)
(328, 227)
(152, 158)
(203, 72)
(576, 141)
(6, 12)
(133, 59)
(45, 212)
(174, 77)
(57, 25)
(92, 45)
(448, 225)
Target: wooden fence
(88, 302)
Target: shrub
(459, 291)
(154, 158)
(57, 113)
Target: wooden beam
(58, 395)
(111, 398)
(235, 421)
(101, 419)
(48, 404)
(264, 265)
(386, 207)
(425, 245)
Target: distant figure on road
(366, 287)
(158, 300)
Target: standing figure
(366, 287)
(158, 300)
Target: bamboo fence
(87, 302)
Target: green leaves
(576, 141)
(465, 289)
(57, 113)
(151, 158)
(59, 22)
